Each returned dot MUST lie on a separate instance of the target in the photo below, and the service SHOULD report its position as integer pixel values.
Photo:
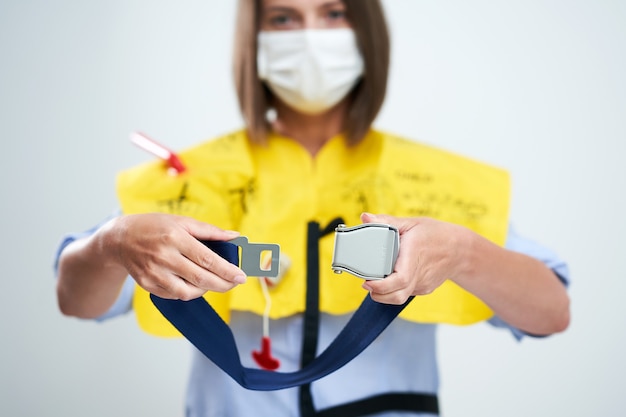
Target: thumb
(201, 230)
(370, 218)
(400, 223)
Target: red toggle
(264, 358)
(148, 144)
(175, 162)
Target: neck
(311, 131)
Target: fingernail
(366, 287)
(240, 279)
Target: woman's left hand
(521, 290)
(431, 251)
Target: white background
(535, 86)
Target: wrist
(106, 243)
(465, 250)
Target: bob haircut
(368, 22)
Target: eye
(336, 17)
(279, 19)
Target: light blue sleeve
(123, 303)
(517, 243)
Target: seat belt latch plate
(252, 257)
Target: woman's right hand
(164, 256)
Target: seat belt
(205, 329)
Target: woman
(311, 78)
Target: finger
(199, 277)
(189, 282)
(170, 286)
(179, 289)
(392, 283)
(386, 295)
(207, 265)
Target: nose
(312, 20)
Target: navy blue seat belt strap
(205, 329)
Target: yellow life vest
(269, 192)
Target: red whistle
(264, 357)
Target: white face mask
(309, 70)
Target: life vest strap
(416, 402)
(310, 333)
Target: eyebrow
(288, 8)
(332, 3)
(277, 8)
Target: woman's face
(303, 14)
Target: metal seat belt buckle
(368, 251)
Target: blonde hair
(368, 22)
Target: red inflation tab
(264, 357)
(148, 144)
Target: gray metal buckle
(251, 257)
(368, 251)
